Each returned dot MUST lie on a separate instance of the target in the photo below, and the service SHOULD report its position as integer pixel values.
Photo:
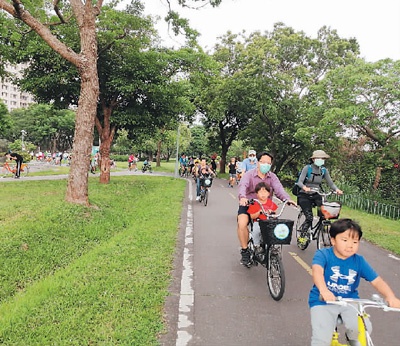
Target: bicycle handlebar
(375, 302)
(269, 216)
(323, 194)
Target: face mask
(252, 158)
(264, 168)
(319, 162)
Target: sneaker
(198, 198)
(245, 257)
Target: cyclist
(132, 160)
(336, 272)
(183, 161)
(250, 162)
(247, 191)
(201, 171)
(18, 160)
(307, 200)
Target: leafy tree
(258, 92)
(362, 101)
(283, 66)
(84, 17)
(222, 95)
(4, 118)
(198, 143)
(24, 20)
(47, 127)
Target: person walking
(232, 172)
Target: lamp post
(23, 134)
(177, 152)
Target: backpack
(296, 188)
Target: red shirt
(269, 206)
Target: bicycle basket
(276, 231)
(330, 210)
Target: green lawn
(87, 276)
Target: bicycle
(147, 167)
(205, 184)
(11, 170)
(275, 232)
(183, 171)
(364, 325)
(320, 231)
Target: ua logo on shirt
(337, 275)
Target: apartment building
(10, 94)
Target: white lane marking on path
(186, 300)
(301, 262)
(394, 257)
(232, 195)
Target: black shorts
(243, 210)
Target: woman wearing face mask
(309, 181)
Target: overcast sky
(374, 23)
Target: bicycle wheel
(275, 273)
(323, 238)
(5, 172)
(302, 242)
(205, 200)
(25, 171)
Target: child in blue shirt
(337, 272)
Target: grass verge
(87, 276)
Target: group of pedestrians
(337, 270)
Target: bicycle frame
(359, 305)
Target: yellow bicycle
(364, 324)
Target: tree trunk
(106, 132)
(158, 158)
(77, 189)
(222, 162)
(378, 174)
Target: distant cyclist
(311, 178)
(202, 170)
(183, 162)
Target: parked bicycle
(364, 323)
(10, 170)
(205, 185)
(275, 232)
(319, 231)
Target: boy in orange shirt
(263, 192)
